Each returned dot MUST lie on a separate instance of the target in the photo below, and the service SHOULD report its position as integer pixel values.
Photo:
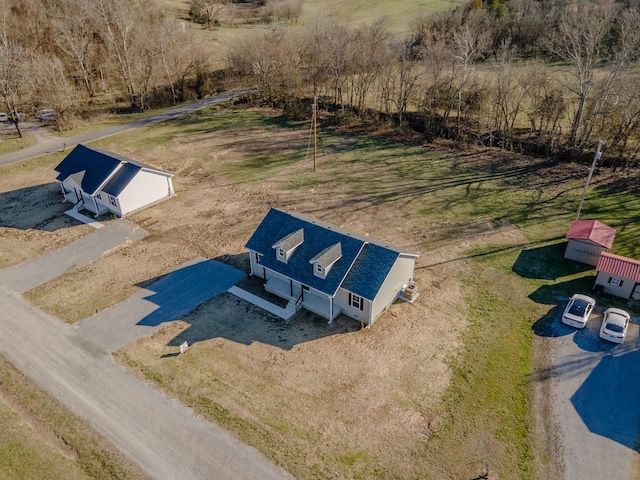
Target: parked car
(46, 115)
(3, 117)
(577, 312)
(614, 325)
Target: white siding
(583, 251)
(256, 269)
(623, 291)
(143, 189)
(400, 274)
(342, 300)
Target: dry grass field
(416, 395)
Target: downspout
(95, 204)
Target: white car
(576, 313)
(3, 117)
(614, 325)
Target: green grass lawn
(509, 289)
(487, 405)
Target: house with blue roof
(329, 270)
(103, 182)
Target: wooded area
(549, 77)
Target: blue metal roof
(121, 179)
(370, 270)
(98, 165)
(364, 264)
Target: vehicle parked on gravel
(577, 312)
(614, 325)
(3, 117)
(46, 115)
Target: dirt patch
(325, 394)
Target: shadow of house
(232, 318)
(177, 293)
(612, 384)
(197, 294)
(37, 207)
(546, 263)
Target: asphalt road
(596, 394)
(57, 144)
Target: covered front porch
(300, 296)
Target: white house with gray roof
(103, 182)
(327, 269)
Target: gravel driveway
(595, 399)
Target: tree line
(543, 76)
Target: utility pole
(596, 157)
(315, 143)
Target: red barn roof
(622, 267)
(593, 231)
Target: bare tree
(399, 80)
(14, 73)
(579, 40)
(508, 94)
(366, 57)
(208, 11)
(75, 33)
(51, 85)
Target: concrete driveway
(595, 401)
(72, 363)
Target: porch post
(330, 310)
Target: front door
(636, 292)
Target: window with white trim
(280, 253)
(112, 200)
(356, 301)
(615, 281)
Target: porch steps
(291, 306)
(284, 313)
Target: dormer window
(323, 262)
(288, 244)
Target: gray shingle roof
(290, 241)
(328, 256)
(362, 268)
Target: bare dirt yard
(325, 401)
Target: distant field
(356, 12)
